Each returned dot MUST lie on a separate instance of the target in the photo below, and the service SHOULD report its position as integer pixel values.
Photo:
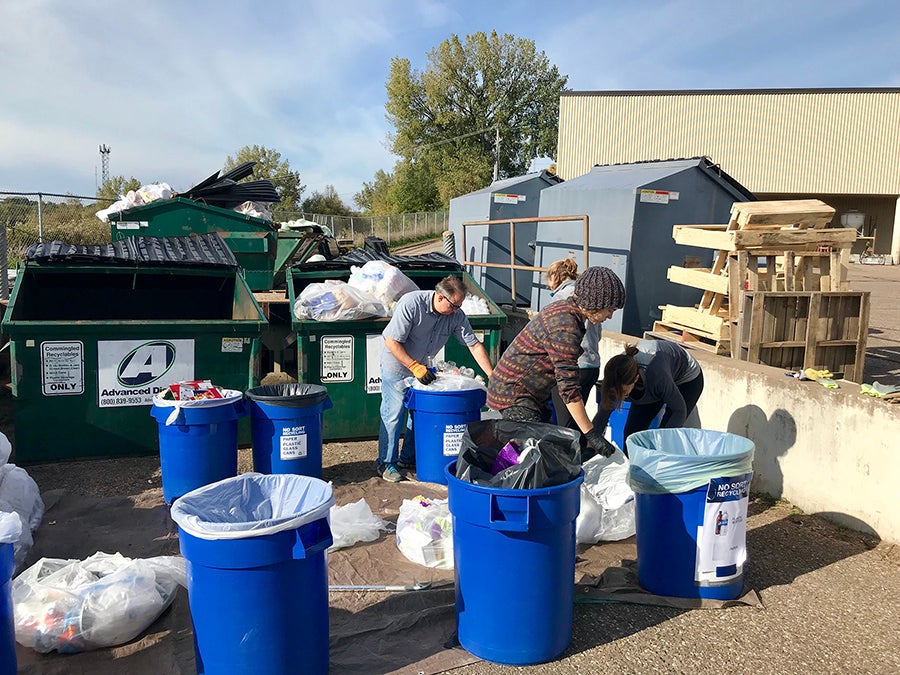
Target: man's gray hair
(450, 286)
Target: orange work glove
(421, 373)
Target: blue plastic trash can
(514, 555)
(691, 494)
(197, 442)
(439, 421)
(286, 427)
(7, 619)
(257, 579)
(619, 416)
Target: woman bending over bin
(545, 354)
(561, 277)
(647, 375)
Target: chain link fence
(30, 217)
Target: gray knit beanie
(599, 288)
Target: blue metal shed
(517, 197)
(632, 209)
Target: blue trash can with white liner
(10, 531)
(439, 421)
(691, 494)
(514, 556)
(257, 576)
(198, 441)
(286, 427)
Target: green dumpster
(345, 356)
(92, 342)
(252, 240)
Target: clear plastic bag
(670, 461)
(335, 300)
(607, 502)
(425, 532)
(252, 505)
(384, 281)
(105, 600)
(19, 494)
(353, 523)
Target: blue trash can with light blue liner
(10, 531)
(257, 577)
(691, 490)
(198, 441)
(286, 427)
(514, 557)
(439, 421)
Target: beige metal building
(838, 145)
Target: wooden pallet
(689, 337)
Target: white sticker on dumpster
(453, 434)
(337, 358)
(373, 363)
(722, 538)
(232, 345)
(132, 372)
(293, 442)
(62, 368)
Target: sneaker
(391, 475)
(406, 465)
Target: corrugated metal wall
(838, 142)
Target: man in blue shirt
(423, 321)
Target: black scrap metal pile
(223, 190)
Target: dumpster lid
(222, 188)
(359, 257)
(208, 250)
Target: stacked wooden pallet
(774, 246)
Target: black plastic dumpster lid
(359, 257)
(289, 395)
(196, 250)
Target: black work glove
(596, 445)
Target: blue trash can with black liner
(286, 427)
(198, 441)
(257, 575)
(691, 495)
(439, 421)
(514, 555)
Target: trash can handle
(312, 538)
(509, 513)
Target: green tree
(117, 186)
(375, 198)
(327, 202)
(447, 117)
(270, 166)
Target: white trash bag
(353, 523)
(105, 600)
(384, 281)
(607, 501)
(334, 300)
(19, 494)
(425, 532)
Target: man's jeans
(393, 419)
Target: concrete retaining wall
(832, 452)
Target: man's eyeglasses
(455, 307)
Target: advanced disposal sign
(132, 372)
(722, 538)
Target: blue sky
(174, 88)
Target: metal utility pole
(497, 153)
(104, 164)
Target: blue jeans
(393, 422)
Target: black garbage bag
(554, 458)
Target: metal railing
(397, 228)
(511, 265)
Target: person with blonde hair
(561, 276)
(649, 374)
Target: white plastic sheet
(252, 505)
(670, 461)
(73, 605)
(353, 523)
